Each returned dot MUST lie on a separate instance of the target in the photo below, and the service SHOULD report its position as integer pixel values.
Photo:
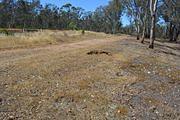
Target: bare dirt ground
(63, 82)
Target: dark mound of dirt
(99, 52)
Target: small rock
(119, 111)
(169, 69)
(92, 96)
(157, 112)
(11, 118)
(149, 72)
(119, 74)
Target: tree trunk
(144, 28)
(114, 27)
(9, 25)
(153, 7)
(152, 35)
(147, 35)
(138, 31)
(171, 32)
(167, 31)
(143, 34)
(144, 22)
(176, 35)
(24, 25)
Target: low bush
(6, 32)
(83, 32)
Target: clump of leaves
(72, 26)
(84, 84)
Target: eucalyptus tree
(137, 10)
(99, 20)
(65, 15)
(153, 10)
(170, 11)
(23, 16)
(7, 13)
(114, 13)
(87, 21)
(75, 17)
(70, 16)
(107, 18)
(144, 19)
(26, 13)
(45, 16)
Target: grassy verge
(47, 37)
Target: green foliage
(25, 14)
(72, 26)
(6, 32)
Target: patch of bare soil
(119, 79)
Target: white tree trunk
(144, 31)
(145, 22)
(138, 31)
(152, 35)
(153, 7)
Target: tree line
(31, 14)
(146, 17)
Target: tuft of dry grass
(152, 101)
(121, 111)
(84, 84)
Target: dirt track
(63, 82)
(13, 55)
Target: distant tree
(49, 17)
(26, 13)
(113, 12)
(107, 18)
(7, 13)
(86, 22)
(134, 9)
(169, 11)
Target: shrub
(6, 32)
(83, 32)
(72, 26)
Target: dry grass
(121, 111)
(23, 40)
(152, 101)
(63, 82)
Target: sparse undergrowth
(47, 37)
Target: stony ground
(124, 81)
